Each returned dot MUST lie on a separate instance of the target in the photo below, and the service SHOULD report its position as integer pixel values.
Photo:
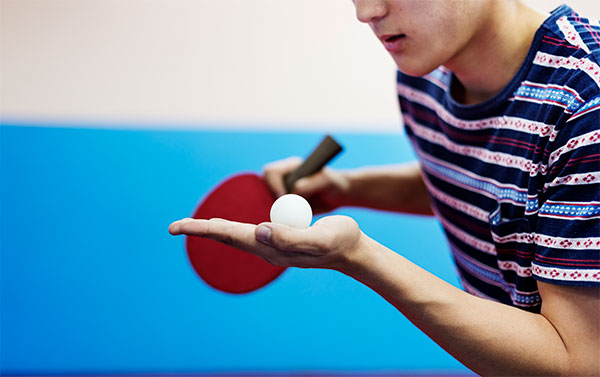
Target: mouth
(392, 42)
(391, 38)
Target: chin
(414, 68)
(417, 71)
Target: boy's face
(421, 35)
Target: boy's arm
(398, 188)
(489, 337)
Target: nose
(370, 10)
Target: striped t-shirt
(515, 181)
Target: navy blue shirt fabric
(515, 180)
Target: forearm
(488, 337)
(398, 188)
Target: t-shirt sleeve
(567, 231)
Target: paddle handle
(325, 152)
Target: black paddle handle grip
(325, 152)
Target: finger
(175, 227)
(236, 234)
(242, 236)
(312, 241)
(273, 174)
(231, 232)
(314, 183)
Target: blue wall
(93, 283)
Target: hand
(324, 190)
(333, 242)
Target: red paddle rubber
(244, 198)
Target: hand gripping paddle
(245, 198)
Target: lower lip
(395, 45)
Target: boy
(502, 105)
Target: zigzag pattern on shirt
(562, 96)
(427, 118)
(532, 204)
(495, 190)
(492, 276)
(500, 192)
(571, 35)
(467, 238)
(570, 210)
(568, 62)
(492, 188)
(490, 196)
(590, 138)
(569, 274)
(574, 179)
(592, 105)
(499, 158)
(504, 122)
(474, 291)
(585, 243)
(476, 268)
(483, 154)
(457, 204)
(507, 265)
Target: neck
(494, 54)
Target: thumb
(308, 241)
(314, 183)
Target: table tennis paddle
(245, 198)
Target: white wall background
(199, 63)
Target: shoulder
(573, 31)
(568, 55)
(563, 82)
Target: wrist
(364, 260)
(349, 184)
(340, 190)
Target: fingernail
(263, 234)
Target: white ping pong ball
(291, 210)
